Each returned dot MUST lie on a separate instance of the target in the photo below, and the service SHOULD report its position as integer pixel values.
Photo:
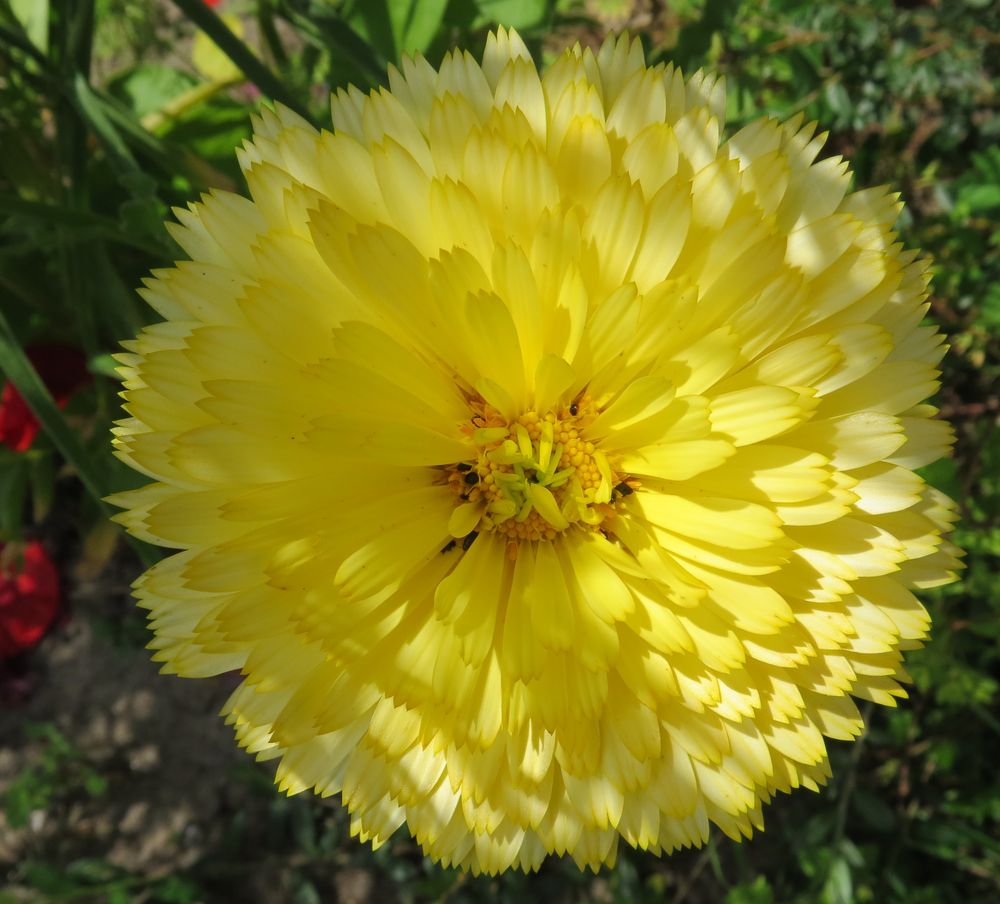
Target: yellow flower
(545, 464)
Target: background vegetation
(112, 111)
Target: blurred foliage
(60, 770)
(112, 111)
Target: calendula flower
(63, 369)
(544, 462)
(29, 596)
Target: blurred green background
(113, 111)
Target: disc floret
(534, 477)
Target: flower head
(63, 369)
(29, 596)
(545, 464)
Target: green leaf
(373, 21)
(147, 87)
(92, 870)
(211, 131)
(874, 811)
(695, 40)
(756, 892)
(839, 101)
(105, 365)
(397, 27)
(943, 475)
(625, 882)
(306, 893)
(209, 59)
(355, 56)
(177, 890)
(18, 803)
(23, 375)
(13, 488)
(95, 785)
(241, 55)
(48, 879)
(978, 199)
(839, 886)
(416, 23)
(34, 18)
(303, 826)
(93, 111)
(520, 14)
(81, 222)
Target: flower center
(535, 476)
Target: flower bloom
(63, 370)
(29, 596)
(545, 464)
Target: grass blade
(22, 374)
(84, 223)
(202, 16)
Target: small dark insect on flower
(449, 546)
(468, 540)
(574, 409)
(471, 478)
(624, 489)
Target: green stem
(189, 99)
(850, 778)
(95, 224)
(81, 36)
(240, 54)
(265, 22)
(22, 374)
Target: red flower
(63, 369)
(29, 596)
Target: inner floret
(534, 477)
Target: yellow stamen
(520, 491)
